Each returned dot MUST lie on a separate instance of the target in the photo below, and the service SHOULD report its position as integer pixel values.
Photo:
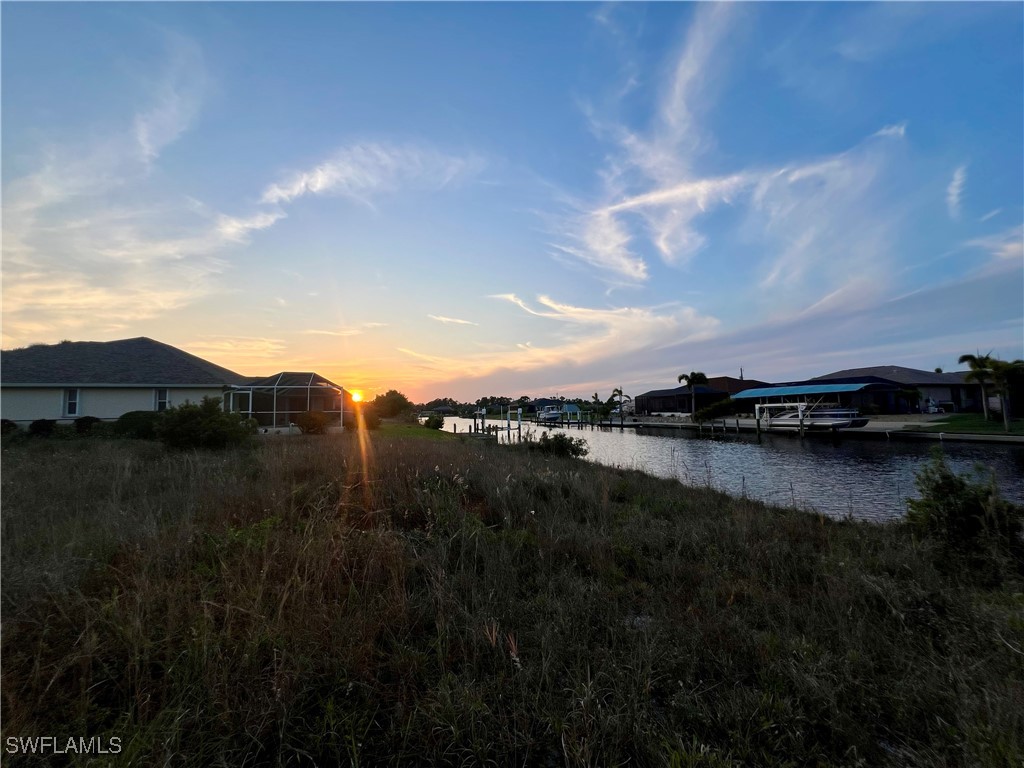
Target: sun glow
(357, 396)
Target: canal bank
(906, 428)
(867, 478)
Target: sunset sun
(357, 397)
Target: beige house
(104, 379)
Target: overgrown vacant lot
(309, 602)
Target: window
(163, 400)
(70, 402)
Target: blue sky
(472, 199)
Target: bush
(140, 425)
(559, 444)
(206, 425)
(313, 422)
(371, 419)
(721, 409)
(84, 425)
(8, 427)
(974, 527)
(434, 421)
(42, 427)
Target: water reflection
(866, 479)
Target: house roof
(292, 379)
(733, 385)
(898, 374)
(701, 390)
(129, 362)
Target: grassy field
(973, 423)
(331, 601)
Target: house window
(71, 402)
(163, 400)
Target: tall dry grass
(389, 601)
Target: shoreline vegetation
(374, 599)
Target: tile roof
(129, 362)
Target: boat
(550, 414)
(808, 416)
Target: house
(666, 402)
(912, 389)
(106, 379)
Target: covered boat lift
(797, 397)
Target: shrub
(721, 409)
(559, 444)
(313, 422)
(8, 427)
(973, 526)
(206, 425)
(42, 427)
(140, 425)
(434, 421)
(84, 424)
(371, 419)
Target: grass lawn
(415, 431)
(326, 600)
(972, 423)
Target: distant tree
(392, 403)
(1003, 373)
(692, 379)
(980, 372)
(938, 370)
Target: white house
(109, 378)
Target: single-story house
(670, 402)
(106, 379)
(950, 391)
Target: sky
(473, 199)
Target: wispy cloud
(1007, 245)
(344, 332)
(899, 130)
(237, 229)
(991, 215)
(363, 170)
(649, 180)
(251, 347)
(179, 92)
(955, 191)
(451, 320)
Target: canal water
(865, 479)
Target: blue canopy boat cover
(799, 390)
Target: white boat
(816, 417)
(550, 413)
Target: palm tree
(692, 379)
(980, 372)
(1002, 373)
(617, 392)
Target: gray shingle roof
(128, 362)
(898, 374)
